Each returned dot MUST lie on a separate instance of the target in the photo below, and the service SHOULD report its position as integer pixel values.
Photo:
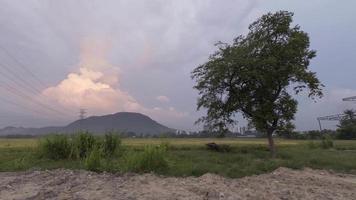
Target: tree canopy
(347, 127)
(257, 75)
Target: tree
(347, 128)
(256, 76)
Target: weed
(55, 147)
(327, 142)
(93, 160)
(84, 143)
(152, 159)
(110, 145)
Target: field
(190, 157)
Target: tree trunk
(271, 146)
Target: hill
(121, 121)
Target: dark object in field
(218, 147)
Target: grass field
(188, 157)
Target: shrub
(327, 142)
(152, 159)
(84, 143)
(165, 145)
(56, 147)
(110, 145)
(218, 147)
(93, 160)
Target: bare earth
(281, 184)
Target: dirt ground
(283, 183)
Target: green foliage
(254, 74)
(347, 128)
(152, 159)
(327, 142)
(79, 146)
(165, 145)
(56, 147)
(190, 157)
(84, 143)
(219, 147)
(110, 144)
(312, 144)
(93, 160)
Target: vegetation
(56, 147)
(152, 159)
(93, 160)
(347, 128)
(255, 76)
(110, 145)
(81, 146)
(189, 157)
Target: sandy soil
(281, 184)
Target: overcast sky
(109, 56)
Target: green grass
(189, 157)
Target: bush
(93, 160)
(218, 147)
(110, 145)
(84, 143)
(152, 159)
(165, 145)
(56, 147)
(327, 142)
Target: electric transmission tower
(82, 113)
(349, 98)
(336, 117)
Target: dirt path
(281, 184)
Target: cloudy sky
(122, 55)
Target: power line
(22, 106)
(22, 66)
(25, 87)
(23, 95)
(22, 82)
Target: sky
(57, 57)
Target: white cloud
(162, 99)
(93, 88)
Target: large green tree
(257, 75)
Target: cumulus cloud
(96, 87)
(114, 50)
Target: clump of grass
(218, 147)
(312, 145)
(110, 144)
(79, 146)
(152, 159)
(83, 144)
(327, 142)
(165, 145)
(93, 160)
(56, 147)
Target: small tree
(347, 127)
(256, 76)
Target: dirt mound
(283, 183)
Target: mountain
(121, 121)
